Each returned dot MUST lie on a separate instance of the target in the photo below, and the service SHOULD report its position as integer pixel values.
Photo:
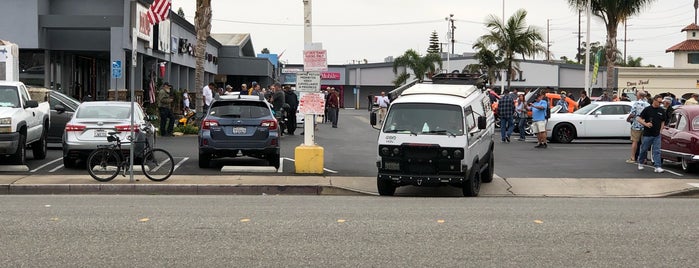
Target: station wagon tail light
(71, 127)
(208, 123)
(271, 124)
(125, 128)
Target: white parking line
(56, 168)
(180, 163)
(695, 185)
(44, 165)
(293, 160)
(281, 165)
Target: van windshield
(425, 118)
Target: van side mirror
(482, 122)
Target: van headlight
(5, 121)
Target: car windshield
(105, 112)
(586, 109)
(425, 118)
(239, 109)
(9, 97)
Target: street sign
(308, 82)
(312, 103)
(315, 60)
(116, 69)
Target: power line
(327, 25)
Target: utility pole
(625, 40)
(451, 19)
(548, 41)
(577, 54)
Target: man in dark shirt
(506, 111)
(293, 101)
(653, 119)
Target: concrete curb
(175, 189)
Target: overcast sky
(375, 29)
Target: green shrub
(188, 129)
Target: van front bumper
(421, 179)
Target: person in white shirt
(383, 102)
(208, 94)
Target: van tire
(472, 186)
(385, 187)
(487, 175)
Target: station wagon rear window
(239, 109)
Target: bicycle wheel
(103, 164)
(158, 165)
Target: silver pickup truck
(23, 123)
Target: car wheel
(385, 187)
(70, 163)
(20, 157)
(39, 147)
(204, 160)
(472, 185)
(563, 134)
(274, 161)
(487, 176)
(687, 166)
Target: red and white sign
(315, 60)
(329, 76)
(312, 103)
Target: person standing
(539, 120)
(605, 97)
(383, 102)
(636, 127)
(694, 100)
(653, 120)
(370, 103)
(185, 102)
(277, 100)
(208, 94)
(229, 90)
(563, 103)
(167, 119)
(506, 111)
(521, 111)
(293, 101)
(333, 106)
(584, 100)
(667, 104)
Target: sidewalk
(320, 185)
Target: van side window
(470, 119)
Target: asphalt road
(302, 231)
(350, 150)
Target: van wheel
(487, 176)
(385, 187)
(563, 134)
(472, 186)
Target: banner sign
(315, 60)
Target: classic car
(680, 139)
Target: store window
(31, 67)
(693, 58)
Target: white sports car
(596, 120)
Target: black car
(239, 125)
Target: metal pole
(134, 56)
(503, 73)
(587, 50)
(309, 122)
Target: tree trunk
(610, 54)
(202, 24)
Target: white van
(437, 132)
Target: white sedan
(596, 120)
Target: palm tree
(420, 65)
(488, 62)
(511, 38)
(612, 12)
(202, 25)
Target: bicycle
(105, 163)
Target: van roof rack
(458, 79)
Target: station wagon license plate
(100, 133)
(239, 130)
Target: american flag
(158, 11)
(151, 90)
